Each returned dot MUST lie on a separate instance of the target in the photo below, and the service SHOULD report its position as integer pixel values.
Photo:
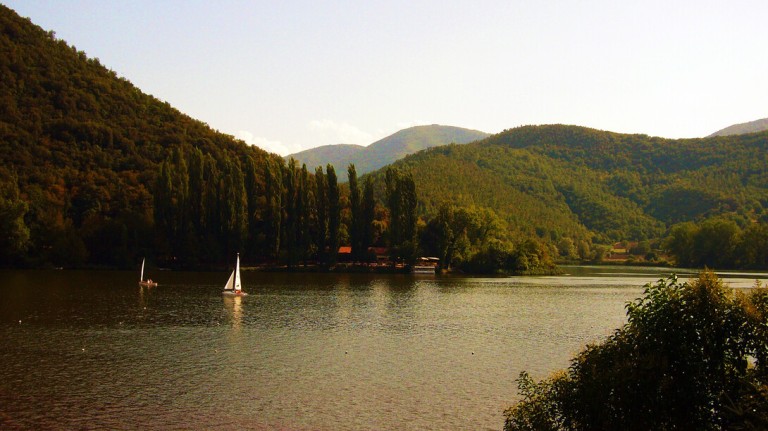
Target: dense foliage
(592, 187)
(693, 355)
(720, 242)
(82, 151)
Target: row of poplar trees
(206, 210)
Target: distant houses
(379, 257)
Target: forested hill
(389, 149)
(81, 150)
(565, 181)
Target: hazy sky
(291, 75)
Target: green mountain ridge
(567, 181)
(387, 150)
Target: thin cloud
(331, 132)
(267, 144)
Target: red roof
(345, 249)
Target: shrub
(692, 355)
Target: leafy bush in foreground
(693, 355)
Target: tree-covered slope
(389, 149)
(572, 181)
(81, 150)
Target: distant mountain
(387, 150)
(740, 129)
(337, 155)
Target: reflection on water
(86, 350)
(234, 306)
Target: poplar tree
(252, 193)
(273, 214)
(355, 228)
(290, 201)
(321, 214)
(334, 215)
(193, 246)
(407, 193)
(233, 208)
(394, 204)
(195, 206)
(211, 224)
(368, 213)
(306, 214)
(402, 200)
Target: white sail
(141, 277)
(142, 282)
(230, 285)
(237, 274)
(233, 283)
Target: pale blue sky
(291, 75)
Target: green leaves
(692, 356)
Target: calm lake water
(93, 350)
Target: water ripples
(328, 352)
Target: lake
(93, 350)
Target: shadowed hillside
(81, 151)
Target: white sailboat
(233, 284)
(142, 282)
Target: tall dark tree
(195, 202)
(306, 210)
(234, 204)
(402, 201)
(334, 215)
(291, 213)
(394, 204)
(356, 223)
(195, 208)
(409, 245)
(163, 211)
(212, 250)
(368, 213)
(273, 214)
(253, 214)
(321, 215)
